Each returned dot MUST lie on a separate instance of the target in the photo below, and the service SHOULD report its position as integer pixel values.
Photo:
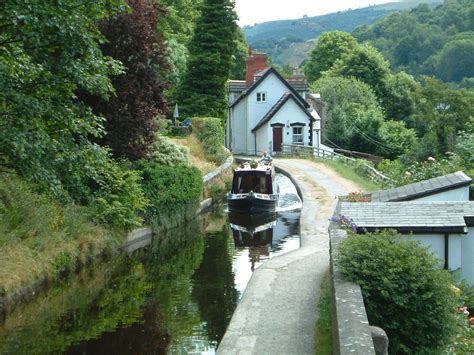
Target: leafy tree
(202, 90)
(401, 97)
(353, 114)
(331, 46)
(238, 68)
(443, 112)
(131, 115)
(455, 60)
(49, 51)
(397, 138)
(367, 65)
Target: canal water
(176, 296)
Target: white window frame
(297, 135)
(261, 96)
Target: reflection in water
(175, 296)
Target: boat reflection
(263, 235)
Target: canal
(175, 296)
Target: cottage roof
(422, 188)
(278, 105)
(259, 81)
(412, 216)
(236, 85)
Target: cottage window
(297, 135)
(261, 97)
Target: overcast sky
(257, 11)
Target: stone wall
(352, 333)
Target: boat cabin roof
(260, 169)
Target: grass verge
(323, 334)
(196, 150)
(40, 238)
(350, 173)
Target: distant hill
(288, 41)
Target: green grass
(349, 173)
(40, 238)
(323, 334)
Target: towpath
(278, 310)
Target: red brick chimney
(255, 62)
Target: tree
(397, 139)
(202, 90)
(49, 51)
(353, 114)
(443, 112)
(456, 61)
(401, 97)
(131, 115)
(367, 65)
(331, 46)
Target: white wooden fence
(305, 150)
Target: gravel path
(278, 310)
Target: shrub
(405, 291)
(210, 132)
(166, 152)
(171, 189)
(119, 200)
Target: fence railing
(305, 150)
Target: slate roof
(236, 85)
(422, 188)
(412, 216)
(257, 83)
(278, 105)
(299, 84)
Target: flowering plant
(345, 222)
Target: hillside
(285, 40)
(428, 41)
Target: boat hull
(252, 204)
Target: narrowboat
(254, 189)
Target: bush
(405, 291)
(119, 200)
(166, 152)
(210, 132)
(414, 171)
(171, 190)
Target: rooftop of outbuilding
(422, 188)
(411, 216)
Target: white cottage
(266, 110)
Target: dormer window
(261, 97)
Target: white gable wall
(459, 194)
(274, 90)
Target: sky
(257, 11)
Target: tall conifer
(202, 90)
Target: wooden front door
(277, 138)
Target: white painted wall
(238, 139)
(274, 90)
(459, 194)
(467, 246)
(461, 249)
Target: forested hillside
(435, 41)
(287, 41)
